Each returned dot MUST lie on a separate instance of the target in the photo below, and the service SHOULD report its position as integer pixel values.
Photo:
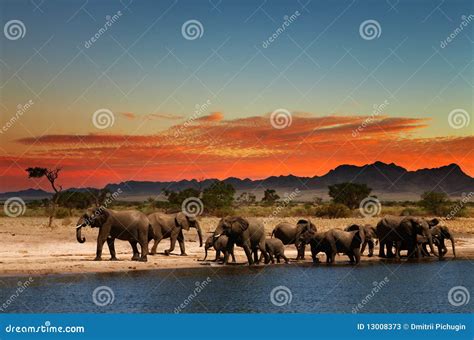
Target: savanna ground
(29, 247)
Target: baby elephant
(335, 241)
(275, 249)
(219, 244)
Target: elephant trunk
(430, 241)
(198, 228)
(452, 244)
(79, 237)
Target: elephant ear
(433, 222)
(99, 217)
(353, 227)
(238, 225)
(182, 221)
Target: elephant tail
(151, 234)
(357, 240)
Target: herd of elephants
(393, 233)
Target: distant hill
(387, 180)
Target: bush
(333, 210)
(435, 202)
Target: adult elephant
(370, 237)
(129, 225)
(171, 226)
(290, 234)
(335, 241)
(246, 233)
(397, 231)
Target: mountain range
(383, 178)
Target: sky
(175, 90)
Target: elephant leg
(173, 239)
(233, 256)
(371, 248)
(144, 246)
(356, 252)
(136, 254)
(100, 244)
(285, 258)
(263, 248)
(381, 249)
(390, 253)
(218, 255)
(248, 253)
(181, 243)
(111, 245)
(364, 244)
(156, 241)
(351, 257)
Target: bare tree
(52, 176)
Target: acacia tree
(349, 194)
(52, 176)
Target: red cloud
(244, 147)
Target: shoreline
(31, 249)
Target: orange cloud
(244, 147)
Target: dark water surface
(407, 287)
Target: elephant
(128, 225)
(370, 237)
(440, 233)
(334, 241)
(219, 244)
(275, 249)
(395, 231)
(171, 226)
(290, 234)
(246, 233)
